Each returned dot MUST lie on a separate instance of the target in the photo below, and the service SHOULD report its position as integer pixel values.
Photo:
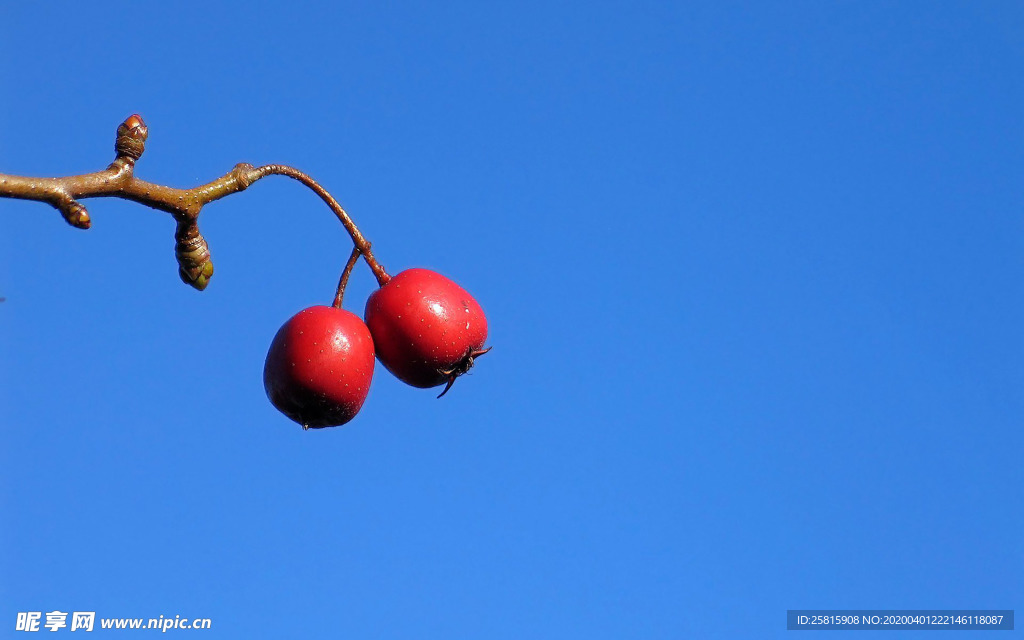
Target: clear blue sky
(754, 280)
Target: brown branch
(119, 181)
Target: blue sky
(753, 276)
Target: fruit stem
(343, 282)
(361, 243)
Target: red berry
(427, 329)
(319, 367)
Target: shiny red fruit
(427, 329)
(319, 367)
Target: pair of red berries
(424, 328)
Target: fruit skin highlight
(319, 367)
(427, 330)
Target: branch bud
(131, 138)
(74, 213)
(193, 254)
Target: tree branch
(119, 181)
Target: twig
(118, 180)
